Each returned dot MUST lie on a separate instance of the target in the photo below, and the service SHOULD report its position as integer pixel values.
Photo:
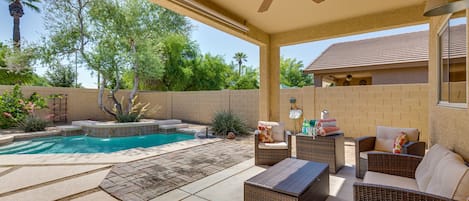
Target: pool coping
(128, 155)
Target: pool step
(49, 139)
(38, 149)
(168, 122)
(24, 147)
(14, 145)
(172, 127)
(4, 140)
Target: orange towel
(323, 131)
(327, 123)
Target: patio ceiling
(298, 21)
(293, 22)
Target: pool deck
(202, 169)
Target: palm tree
(16, 11)
(240, 57)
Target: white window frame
(445, 26)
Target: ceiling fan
(266, 4)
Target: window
(452, 63)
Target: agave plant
(134, 114)
(224, 122)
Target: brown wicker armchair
(391, 164)
(409, 177)
(272, 153)
(382, 142)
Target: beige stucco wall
(160, 104)
(198, 106)
(448, 126)
(358, 109)
(245, 104)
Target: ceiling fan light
(442, 7)
(348, 78)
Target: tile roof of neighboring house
(396, 49)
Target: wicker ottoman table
(329, 149)
(290, 179)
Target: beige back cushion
(427, 166)
(462, 192)
(447, 178)
(385, 137)
(277, 130)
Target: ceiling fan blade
(318, 1)
(264, 6)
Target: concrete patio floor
(80, 178)
(227, 185)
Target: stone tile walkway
(149, 178)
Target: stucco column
(269, 89)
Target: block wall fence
(358, 109)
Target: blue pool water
(85, 144)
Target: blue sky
(209, 39)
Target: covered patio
(220, 175)
(286, 23)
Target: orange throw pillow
(399, 142)
(265, 134)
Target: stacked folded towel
(327, 127)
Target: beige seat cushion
(274, 145)
(446, 180)
(385, 137)
(425, 170)
(277, 130)
(364, 154)
(390, 180)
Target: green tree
(16, 11)
(250, 80)
(185, 69)
(240, 57)
(211, 74)
(38, 80)
(61, 76)
(15, 66)
(134, 29)
(111, 37)
(291, 74)
(180, 55)
(3, 52)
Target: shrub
(14, 108)
(224, 122)
(125, 118)
(33, 123)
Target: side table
(289, 180)
(327, 149)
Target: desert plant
(134, 114)
(224, 122)
(125, 118)
(33, 123)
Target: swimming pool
(86, 144)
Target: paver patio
(148, 178)
(213, 171)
